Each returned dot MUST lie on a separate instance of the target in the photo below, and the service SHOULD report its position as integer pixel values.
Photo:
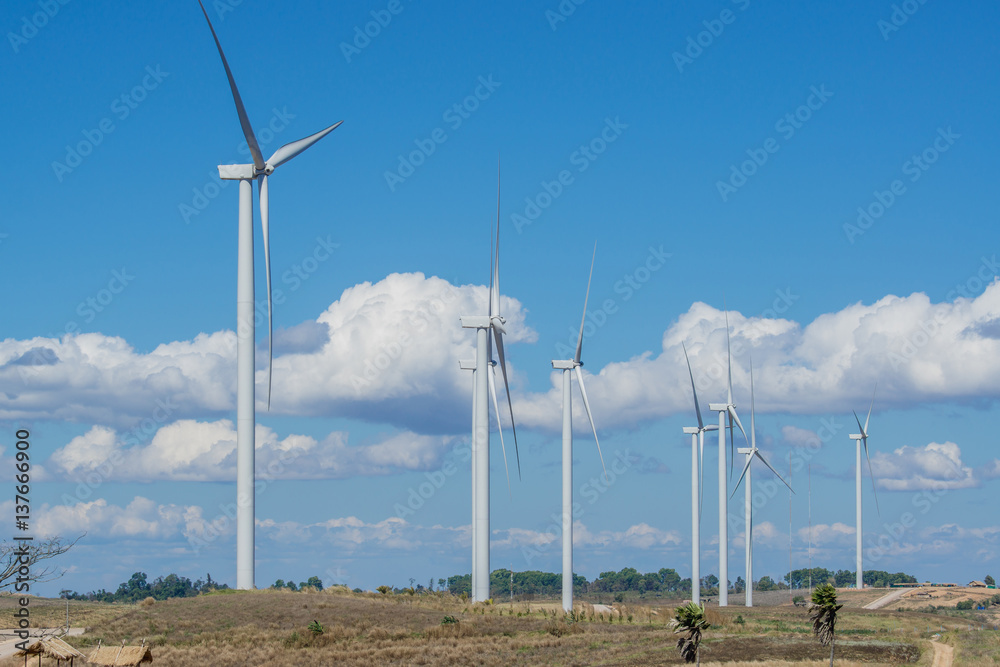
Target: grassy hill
(271, 627)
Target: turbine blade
(697, 408)
(258, 159)
(290, 150)
(742, 475)
(583, 320)
(871, 475)
(753, 427)
(734, 417)
(859, 424)
(496, 408)
(732, 437)
(495, 280)
(506, 387)
(492, 261)
(729, 357)
(586, 404)
(870, 406)
(756, 452)
(262, 186)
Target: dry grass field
(271, 628)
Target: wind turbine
(489, 330)
(862, 439)
(245, 326)
(750, 453)
(727, 409)
(697, 459)
(567, 366)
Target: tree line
(665, 581)
(138, 587)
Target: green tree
(844, 578)
(669, 579)
(823, 615)
(989, 581)
(314, 582)
(133, 590)
(740, 585)
(689, 622)
(765, 583)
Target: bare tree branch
(12, 559)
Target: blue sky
(823, 171)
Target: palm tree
(823, 614)
(689, 621)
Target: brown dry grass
(270, 627)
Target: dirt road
(943, 654)
(888, 599)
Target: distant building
(977, 584)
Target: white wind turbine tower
(489, 329)
(471, 366)
(697, 485)
(727, 409)
(245, 326)
(750, 453)
(567, 366)
(862, 439)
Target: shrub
(739, 620)
(964, 604)
(316, 627)
(449, 620)
(148, 602)
(384, 590)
